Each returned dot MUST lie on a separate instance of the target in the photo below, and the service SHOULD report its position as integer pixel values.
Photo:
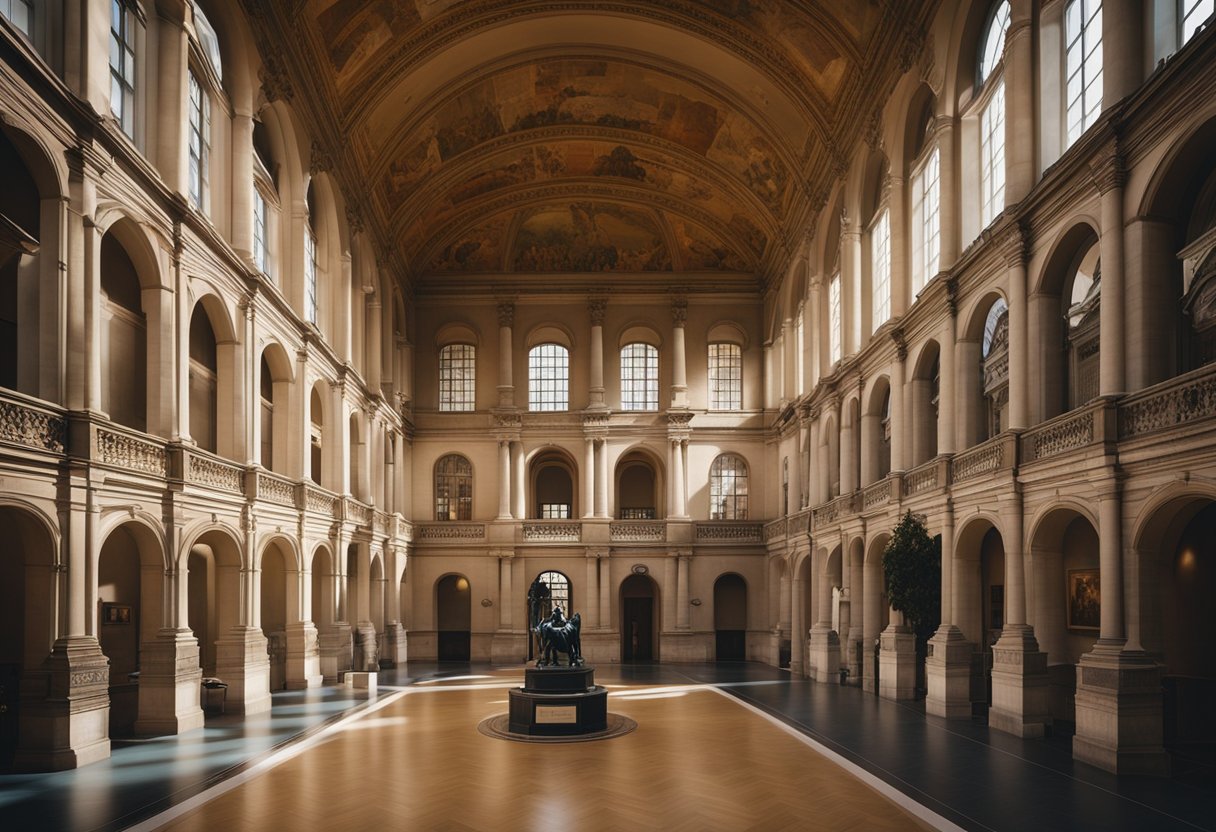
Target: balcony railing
(552, 531)
(450, 531)
(637, 531)
(1179, 401)
(730, 531)
(31, 424)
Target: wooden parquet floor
(698, 761)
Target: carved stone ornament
(321, 160)
(276, 84)
(597, 307)
(911, 49)
(679, 311)
(873, 133)
(506, 313)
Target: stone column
(394, 650)
(948, 667)
(590, 606)
(848, 452)
(682, 592)
(798, 634)
(504, 480)
(241, 659)
(1123, 39)
(519, 492)
(670, 593)
(679, 377)
(506, 383)
(1019, 102)
(605, 585)
(855, 315)
(508, 646)
(855, 634)
(335, 635)
(824, 642)
(1020, 687)
(367, 649)
(601, 479)
(816, 316)
(1109, 178)
(1019, 387)
(172, 148)
(1118, 699)
(946, 134)
(897, 660)
(789, 385)
(588, 478)
(596, 307)
(898, 414)
(948, 398)
(242, 184)
(375, 377)
(900, 287)
(505, 601)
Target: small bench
(210, 685)
(361, 680)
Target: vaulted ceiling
(570, 136)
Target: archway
(730, 618)
(1178, 546)
(316, 433)
(552, 479)
(1064, 559)
(637, 491)
(979, 599)
(278, 573)
(925, 387)
(124, 336)
(639, 619)
(876, 612)
(27, 629)
(453, 618)
(130, 570)
(213, 593)
(204, 381)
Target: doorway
(638, 619)
(453, 611)
(730, 618)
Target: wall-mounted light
(486, 602)
(696, 602)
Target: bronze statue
(557, 635)
(538, 602)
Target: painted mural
(599, 93)
(355, 32)
(590, 237)
(699, 251)
(477, 250)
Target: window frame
(30, 16)
(123, 40)
(1183, 17)
(538, 399)
(639, 394)
(835, 320)
(460, 506)
(1089, 113)
(924, 268)
(732, 505)
(880, 301)
(725, 394)
(992, 135)
(450, 403)
(310, 274)
(199, 125)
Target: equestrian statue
(557, 635)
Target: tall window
(880, 268)
(20, 13)
(453, 488)
(457, 377)
(1191, 15)
(926, 220)
(992, 155)
(559, 591)
(548, 377)
(122, 65)
(728, 488)
(261, 233)
(1083, 65)
(835, 321)
(310, 276)
(200, 143)
(639, 377)
(725, 377)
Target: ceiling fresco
(536, 137)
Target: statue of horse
(563, 639)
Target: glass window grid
(835, 321)
(20, 13)
(122, 65)
(994, 41)
(457, 377)
(725, 377)
(638, 514)
(453, 488)
(261, 233)
(880, 267)
(200, 143)
(548, 377)
(992, 156)
(728, 488)
(555, 511)
(1191, 15)
(639, 377)
(559, 591)
(1083, 65)
(310, 276)
(926, 221)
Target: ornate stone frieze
(452, 531)
(131, 453)
(730, 532)
(982, 460)
(1177, 405)
(553, 532)
(1059, 438)
(31, 428)
(506, 313)
(921, 479)
(213, 474)
(318, 501)
(655, 532)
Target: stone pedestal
(1118, 705)
(948, 674)
(853, 657)
(823, 648)
(869, 678)
(65, 708)
(244, 665)
(508, 648)
(303, 656)
(1020, 687)
(336, 653)
(778, 642)
(366, 647)
(393, 652)
(169, 676)
(559, 702)
(897, 665)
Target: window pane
(835, 321)
(639, 377)
(548, 377)
(992, 156)
(310, 276)
(994, 40)
(725, 377)
(728, 488)
(453, 488)
(457, 377)
(880, 268)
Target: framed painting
(1084, 599)
(115, 613)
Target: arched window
(992, 118)
(457, 377)
(1083, 66)
(203, 377)
(124, 387)
(725, 377)
(728, 488)
(266, 412)
(835, 321)
(995, 365)
(548, 377)
(123, 21)
(200, 143)
(310, 273)
(880, 267)
(1191, 15)
(639, 377)
(926, 206)
(559, 592)
(453, 488)
(1083, 326)
(20, 13)
(265, 200)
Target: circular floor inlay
(499, 728)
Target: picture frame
(116, 614)
(1084, 599)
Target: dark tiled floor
(977, 778)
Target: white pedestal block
(336, 653)
(362, 680)
(824, 655)
(897, 665)
(169, 676)
(1020, 687)
(65, 717)
(393, 652)
(244, 665)
(303, 656)
(948, 674)
(1119, 720)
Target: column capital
(596, 307)
(679, 311)
(595, 553)
(503, 554)
(506, 313)
(1107, 169)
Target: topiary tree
(912, 573)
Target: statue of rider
(538, 601)
(557, 620)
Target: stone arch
(552, 483)
(453, 616)
(640, 623)
(213, 561)
(925, 387)
(639, 484)
(979, 566)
